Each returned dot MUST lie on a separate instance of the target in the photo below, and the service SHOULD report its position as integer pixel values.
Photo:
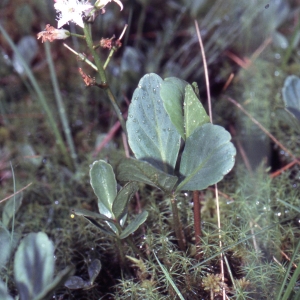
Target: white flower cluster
(74, 10)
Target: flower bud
(50, 34)
(100, 4)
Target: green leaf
(194, 113)
(10, 208)
(208, 155)
(34, 265)
(104, 227)
(172, 93)
(297, 295)
(291, 95)
(104, 184)
(293, 280)
(120, 204)
(98, 220)
(285, 116)
(151, 134)
(4, 295)
(293, 284)
(5, 246)
(169, 279)
(94, 270)
(297, 209)
(91, 214)
(59, 280)
(183, 106)
(134, 225)
(130, 169)
(75, 283)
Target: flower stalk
(177, 224)
(81, 57)
(103, 78)
(117, 44)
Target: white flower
(102, 3)
(71, 11)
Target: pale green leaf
(194, 113)
(104, 184)
(151, 134)
(34, 265)
(208, 155)
(130, 169)
(120, 204)
(172, 93)
(134, 225)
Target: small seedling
(112, 206)
(34, 269)
(76, 282)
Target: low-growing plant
(175, 150)
(34, 269)
(161, 115)
(34, 259)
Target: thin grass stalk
(16, 193)
(169, 279)
(271, 136)
(291, 46)
(197, 209)
(287, 274)
(167, 38)
(289, 205)
(229, 271)
(60, 105)
(14, 206)
(140, 25)
(42, 99)
(81, 57)
(223, 250)
(211, 120)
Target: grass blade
(41, 97)
(60, 104)
(169, 278)
(293, 279)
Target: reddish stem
(197, 222)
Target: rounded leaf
(75, 283)
(208, 155)
(104, 184)
(94, 269)
(151, 134)
(130, 169)
(172, 93)
(34, 265)
(291, 95)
